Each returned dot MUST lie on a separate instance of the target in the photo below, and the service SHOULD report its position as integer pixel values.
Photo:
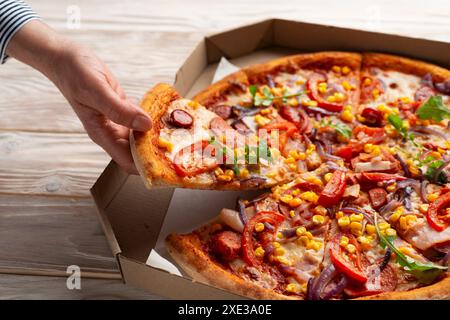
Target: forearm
(37, 45)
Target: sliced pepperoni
(378, 197)
(241, 127)
(180, 118)
(226, 245)
(372, 117)
(219, 126)
(222, 111)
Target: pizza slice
(191, 146)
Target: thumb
(121, 111)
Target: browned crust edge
(187, 251)
(406, 65)
(150, 161)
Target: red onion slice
(428, 130)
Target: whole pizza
(350, 151)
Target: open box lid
(132, 216)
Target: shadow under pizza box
(136, 220)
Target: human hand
(87, 84)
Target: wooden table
(47, 162)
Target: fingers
(120, 111)
(114, 139)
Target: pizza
(356, 199)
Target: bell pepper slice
(313, 92)
(334, 189)
(434, 216)
(192, 160)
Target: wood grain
(46, 288)
(49, 234)
(49, 163)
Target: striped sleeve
(13, 15)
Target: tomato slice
(248, 250)
(192, 160)
(313, 93)
(434, 218)
(350, 264)
(379, 177)
(334, 189)
(371, 135)
(286, 128)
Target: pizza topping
(334, 189)
(317, 85)
(232, 219)
(345, 255)
(226, 245)
(438, 215)
(372, 116)
(222, 110)
(193, 160)
(434, 108)
(423, 93)
(180, 118)
(378, 197)
(253, 256)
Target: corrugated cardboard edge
(163, 283)
(103, 192)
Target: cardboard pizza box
(136, 220)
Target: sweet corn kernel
(318, 219)
(365, 242)
(320, 210)
(295, 202)
(413, 169)
(286, 198)
(336, 69)
(229, 172)
(435, 154)
(441, 151)
(261, 120)
(367, 82)
(322, 87)
(314, 179)
(405, 99)
(327, 176)
(276, 244)
(303, 240)
(292, 288)
(218, 171)
(259, 227)
(289, 160)
(309, 196)
(390, 232)
(279, 251)
(347, 86)
(259, 252)
(344, 241)
(354, 225)
(296, 192)
(340, 214)
(423, 208)
(432, 197)
(339, 96)
(302, 156)
(347, 116)
(360, 118)
(391, 187)
(395, 216)
(166, 144)
(356, 217)
(383, 225)
(308, 234)
(265, 111)
(193, 104)
(350, 248)
(370, 229)
(304, 287)
(292, 213)
(293, 102)
(243, 173)
(280, 235)
(300, 231)
(375, 93)
(345, 70)
(344, 222)
(368, 148)
(309, 103)
(331, 98)
(314, 245)
(310, 149)
(224, 178)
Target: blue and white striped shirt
(13, 15)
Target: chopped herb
(433, 108)
(267, 96)
(431, 171)
(339, 126)
(399, 125)
(424, 272)
(212, 139)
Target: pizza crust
(405, 65)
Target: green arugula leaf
(399, 125)
(339, 126)
(425, 273)
(433, 108)
(212, 140)
(431, 171)
(253, 90)
(267, 97)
